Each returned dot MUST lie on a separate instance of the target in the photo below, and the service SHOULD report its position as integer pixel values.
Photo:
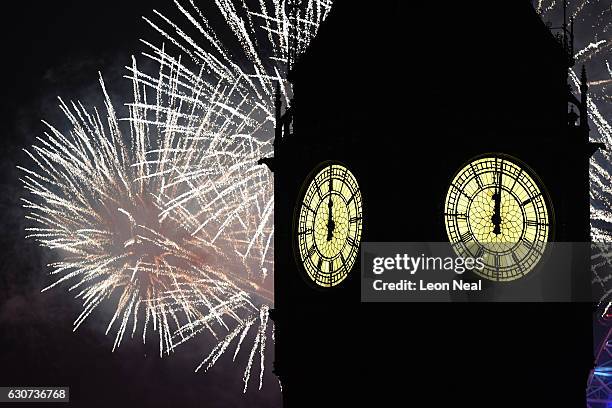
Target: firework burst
(225, 110)
(593, 21)
(593, 53)
(102, 204)
(165, 214)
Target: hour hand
(331, 225)
(496, 218)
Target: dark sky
(56, 49)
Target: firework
(593, 54)
(99, 200)
(225, 109)
(165, 214)
(595, 46)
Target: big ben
(431, 124)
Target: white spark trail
(164, 213)
(594, 54)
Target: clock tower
(392, 102)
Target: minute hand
(496, 218)
(331, 225)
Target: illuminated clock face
(496, 210)
(329, 224)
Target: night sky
(56, 49)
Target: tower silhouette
(405, 94)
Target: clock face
(329, 224)
(496, 210)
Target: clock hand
(331, 225)
(496, 218)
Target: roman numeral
(534, 223)
(495, 172)
(318, 189)
(309, 209)
(478, 180)
(466, 236)
(350, 199)
(354, 219)
(311, 251)
(496, 263)
(530, 199)
(319, 264)
(461, 216)
(528, 244)
(306, 232)
(351, 241)
(480, 252)
(518, 263)
(516, 179)
(460, 191)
